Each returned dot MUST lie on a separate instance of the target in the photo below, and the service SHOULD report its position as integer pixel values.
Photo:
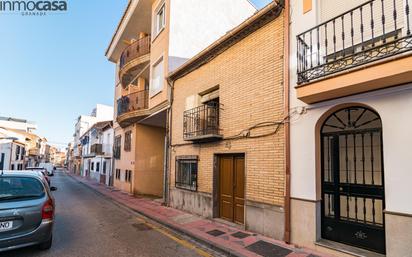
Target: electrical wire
(246, 133)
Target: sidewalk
(230, 240)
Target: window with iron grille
(92, 168)
(117, 147)
(186, 172)
(128, 141)
(104, 167)
(97, 166)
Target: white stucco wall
(107, 141)
(25, 126)
(9, 151)
(5, 148)
(104, 112)
(393, 105)
(195, 24)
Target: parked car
(43, 171)
(26, 210)
(49, 168)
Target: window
(160, 21)
(117, 147)
(128, 176)
(186, 172)
(97, 166)
(23, 153)
(17, 153)
(92, 166)
(12, 167)
(117, 174)
(2, 161)
(128, 141)
(157, 77)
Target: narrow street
(88, 224)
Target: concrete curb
(204, 241)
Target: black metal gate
(352, 179)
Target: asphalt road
(88, 224)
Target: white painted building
(97, 145)
(18, 124)
(351, 99)
(12, 150)
(12, 155)
(85, 122)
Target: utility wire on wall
(247, 133)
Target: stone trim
(260, 205)
(397, 213)
(305, 200)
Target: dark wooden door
(232, 188)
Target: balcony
(132, 108)
(34, 152)
(134, 59)
(365, 48)
(96, 149)
(201, 124)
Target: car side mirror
(53, 188)
(51, 175)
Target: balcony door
(232, 188)
(352, 179)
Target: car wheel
(46, 245)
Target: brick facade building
(227, 153)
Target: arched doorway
(353, 178)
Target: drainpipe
(168, 144)
(286, 84)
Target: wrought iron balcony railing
(34, 152)
(201, 123)
(372, 31)
(135, 50)
(133, 102)
(96, 149)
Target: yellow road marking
(182, 242)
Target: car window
(20, 188)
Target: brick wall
(249, 75)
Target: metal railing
(133, 102)
(34, 151)
(136, 49)
(201, 121)
(372, 31)
(96, 149)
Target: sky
(53, 68)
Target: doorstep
(226, 238)
(351, 250)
